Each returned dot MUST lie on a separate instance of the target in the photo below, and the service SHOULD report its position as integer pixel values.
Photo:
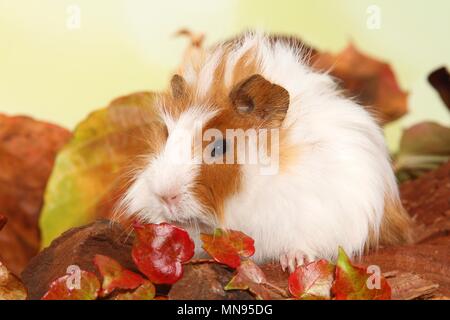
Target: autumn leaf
(312, 281)
(3, 221)
(89, 288)
(146, 291)
(440, 80)
(159, 251)
(351, 282)
(227, 247)
(11, 288)
(90, 171)
(370, 81)
(115, 276)
(423, 147)
(27, 152)
(250, 277)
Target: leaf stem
(281, 291)
(198, 261)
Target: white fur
(329, 198)
(237, 54)
(206, 74)
(172, 171)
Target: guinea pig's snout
(171, 199)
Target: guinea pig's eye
(219, 148)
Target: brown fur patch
(289, 153)
(266, 103)
(396, 226)
(179, 87)
(245, 66)
(177, 100)
(155, 138)
(217, 182)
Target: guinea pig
(320, 176)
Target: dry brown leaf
(3, 221)
(426, 198)
(408, 286)
(27, 151)
(11, 288)
(370, 81)
(440, 80)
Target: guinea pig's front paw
(292, 259)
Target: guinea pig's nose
(172, 199)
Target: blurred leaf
(440, 80)
(228, 246)
(89, 172)
(3, 221)
(351, 282)
(145, 292)
(370, 81)
(423, 147)
(115, 276)
(11, 288)
(27, 152)
(88, 290)
(159, 251)
(312, 281)
(250, 277)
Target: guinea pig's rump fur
(396, 226)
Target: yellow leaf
(90, 169)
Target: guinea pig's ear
(255, 96)
(179, 86)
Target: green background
(60, 74)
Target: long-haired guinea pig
(251, 138)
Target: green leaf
(89, 171)
(351, 282)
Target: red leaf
(250, 277)
(60, 288)
(145, 292)
(312, 281)
(3, 221)
(352, 282)
(160, 250)
(115, 276)
(228, 246)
